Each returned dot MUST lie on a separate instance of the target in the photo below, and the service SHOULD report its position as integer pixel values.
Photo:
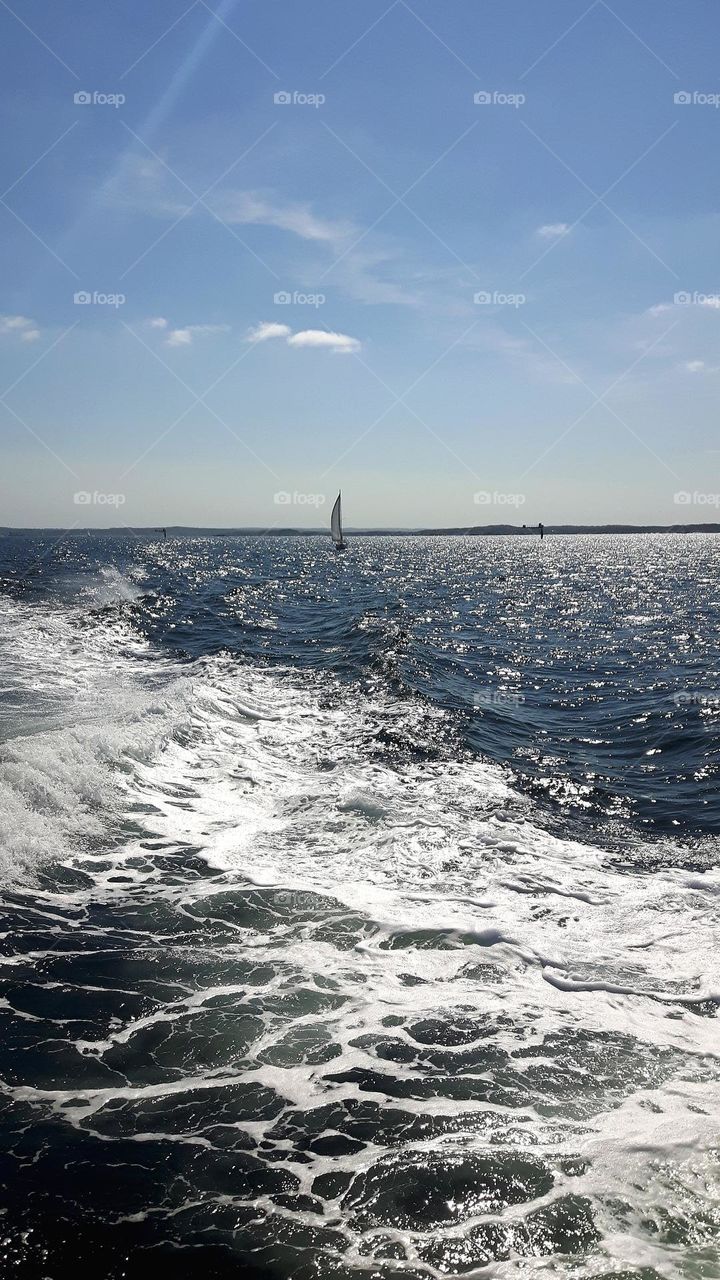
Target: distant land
(478, 530)
(466, 531)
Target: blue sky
(579, 203)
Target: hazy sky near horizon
(459, 260)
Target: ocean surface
(359, 913)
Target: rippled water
(359, 913)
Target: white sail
(336, 524)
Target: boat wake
(274, 998)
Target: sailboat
(336, 526)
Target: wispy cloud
(148, 187)
(380, 276)
(266, 330)
(340, 343)
(368, 274)
(179, 338)
(660, 309)
(552, 230)
(258, 209)
(697, 366)
(19, 326)
(371, 273)
(525, 352)
(184, 335)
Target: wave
(81, 706)
(359, 985)
(278, 777)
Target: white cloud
(338, 342)
(179, 338)
(495, 340)
(252, 208)
(9, 323)
(146, 186)
(266, 330)
(21, 326)
(660, 309)
(184, 337)
(341, 343)
(552, 230)
(377, 276)
(158, 322)
(375, 272)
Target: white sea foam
(80, 707)
(454, 895)
(247, 765)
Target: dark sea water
(359, 913)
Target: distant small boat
(336, 526)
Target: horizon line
(368, 531)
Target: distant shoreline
(469, 531)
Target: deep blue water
(360, 910)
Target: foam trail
(329, 1007)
